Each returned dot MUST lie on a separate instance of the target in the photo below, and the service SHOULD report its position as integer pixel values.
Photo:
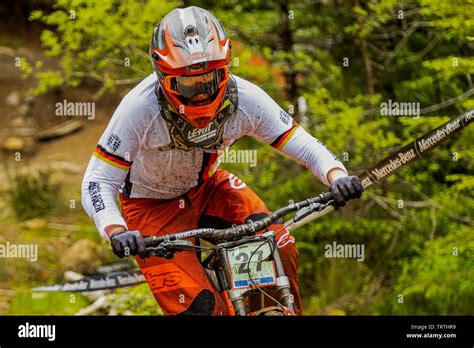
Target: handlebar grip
(153, 241)
(148, 241)
(327, 196)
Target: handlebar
(248, 228)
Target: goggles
(192, 86)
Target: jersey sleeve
(276, 127)
(110, 163)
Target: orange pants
(180, 285)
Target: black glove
(346, 188)
(126, 243)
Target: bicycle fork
(283, 282)
(282, 285)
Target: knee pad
(203, 304)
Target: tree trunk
(291, 88)
(365, 57)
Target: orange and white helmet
(190, 53)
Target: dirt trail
(76, 148)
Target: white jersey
(134, 157)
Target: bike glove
(126, 243)
(346, 188)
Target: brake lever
(310, 209)
(168, 249)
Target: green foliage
(34, 194)
(105, 41)
(439, 280)
(26, 302)
(452, 16)
(137, 300)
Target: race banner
(98, 282)
(415, 150)
(407, 154)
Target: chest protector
(186, 137)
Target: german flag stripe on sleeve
(111, 159)
(283, 139)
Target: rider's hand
(346, 188)
(126, 243)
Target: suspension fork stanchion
(237, 300)
(235, 296)
(283, 282)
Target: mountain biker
(159, 154)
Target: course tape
(407, 154)
(416, 149)
(98, 282)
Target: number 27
(244, 258)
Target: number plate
(261, 272)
